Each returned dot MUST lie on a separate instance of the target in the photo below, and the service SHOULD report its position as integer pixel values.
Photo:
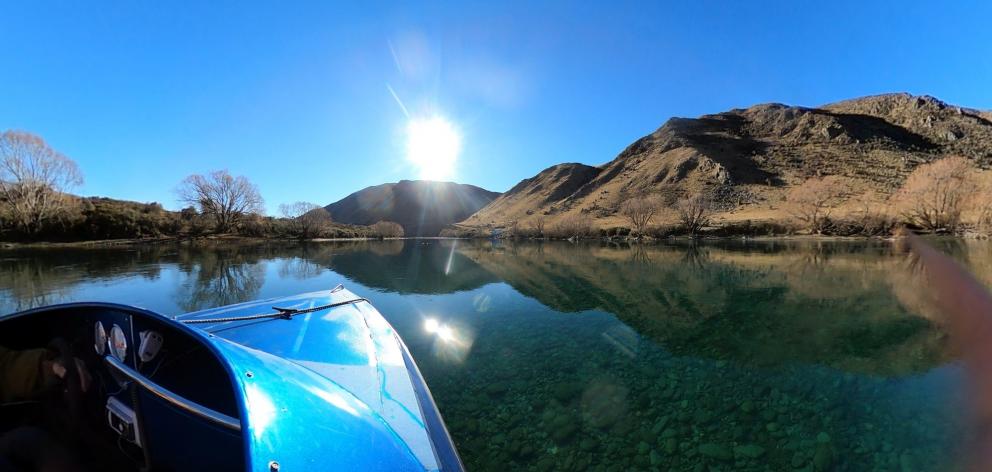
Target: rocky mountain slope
(747, 158)
(421, 207)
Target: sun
(432, 146)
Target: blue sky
(296, 95)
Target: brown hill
(746, 158)
(421, 207)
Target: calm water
(745, 356)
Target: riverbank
(238, 239)
(225, 238)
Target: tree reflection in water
(219, 276)
(32, 278)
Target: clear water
(558, 356)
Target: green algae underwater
(729, 355)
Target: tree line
(36, 203)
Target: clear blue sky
(296, 95)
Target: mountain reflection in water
(733, 355)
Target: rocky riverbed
(578, 401)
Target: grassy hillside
(747, 159)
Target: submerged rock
(716, 451)
(750, 451)
(823, 458)
(671, 446)
(565, 392)
(655, 458)
(565, 432)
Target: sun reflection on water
(450, 343)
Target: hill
(747, 158)
(421, 207)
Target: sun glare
(432, 145)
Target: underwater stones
(643, 448)
(747, 406)
(688, 450)
(716, 451)
(798, 460)
(514, 448)
(622, 428)
(655, 458)
(587, 444)
(906, 462)
(749, 451)
(546, 463)
(702, 417)
(771, 427)
(669, 433)
(565, 392)
(565, 432)
(603, 404)
(823, 458)
(671, 446)
(822, 438)
(526, 450)
(659, 425)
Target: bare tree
(307, 220)
(573, 226)
(812, 201)
(981, 200)
(694, 212)
(224, 197)
(872, 216)
(935, 194)
(539, 226)
(387, 229)
(34, 179)
(639, 211)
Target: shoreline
(165, 240)
(105, 243)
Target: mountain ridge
(746, 158)
(421, 207)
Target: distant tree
(694, 212)
(539, 222)
(812, 201)
(639, 211)
(224, 197)
(307, 220)
(935, 194)
(872, 216)
(387, 229)
(188, 213)
(573, 226)
(981, 200)
(34, 179)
